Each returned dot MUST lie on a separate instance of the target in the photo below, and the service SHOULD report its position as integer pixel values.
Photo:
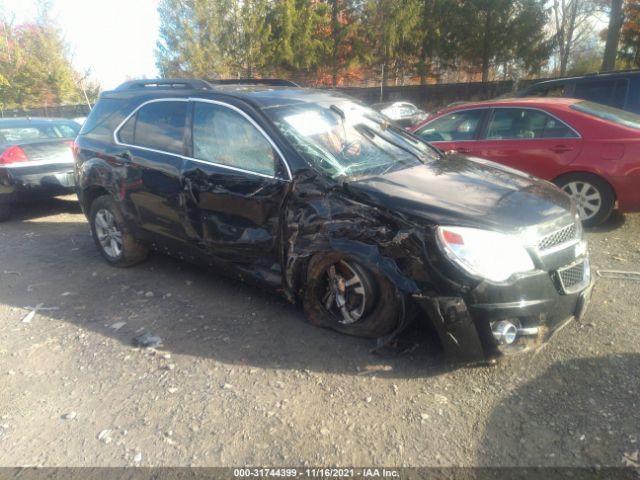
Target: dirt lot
(241, 379)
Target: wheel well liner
(90, 194)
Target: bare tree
(571, 25)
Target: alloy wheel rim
(346, 293)
(587, 198)
(108, 233)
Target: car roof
(265, 96)
(22, 122)
(389, 104)
(592, 76)
(518, 102)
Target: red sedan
(589, 150)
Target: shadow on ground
(196, 312)
(558, 419)
(614, 222)
(42, 208)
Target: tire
(112, 236)
(5, 212)
(593, 196)
(372, 315)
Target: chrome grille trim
(574, 277)
(559, 239)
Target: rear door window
(158, 126)
(525, 123)
(455, 126)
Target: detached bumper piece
(486, 330)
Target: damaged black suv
(317, 196)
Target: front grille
(564, 235)
(574, 277)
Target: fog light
(504, 332)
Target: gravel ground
(241, 379)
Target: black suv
(616, 89)
(319, 197)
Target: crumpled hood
(458, 190)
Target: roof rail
(274, 82)
(184, 83)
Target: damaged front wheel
(343, 295)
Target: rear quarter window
(104, 118)
(610, 114)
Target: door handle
(561, 149)
(189, 188)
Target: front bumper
(535, 303)
(28, 183)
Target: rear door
(528, 139)
(455, 131)
(237, 181)
(151, 148)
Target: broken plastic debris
(31, 287)
(118, 325)
(147, 340)
(29, 316)
(631, 459)
(105, 435)
(619, 274)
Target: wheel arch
(89, 194)
(589, 173)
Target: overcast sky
(112, 38)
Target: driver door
(235, 182)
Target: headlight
(482, 253)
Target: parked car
(314, 195)
(616, 89)
(35, 159)
(589, 150)
(404, 114)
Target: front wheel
(112, 236)
(343, 295)
(593, 196)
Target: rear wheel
(4, 212)
(593, 196)
(344, 295)
(112, 236)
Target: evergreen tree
(630, 39)
(498, 31)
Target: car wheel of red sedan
(593, 196)
(343, 295)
